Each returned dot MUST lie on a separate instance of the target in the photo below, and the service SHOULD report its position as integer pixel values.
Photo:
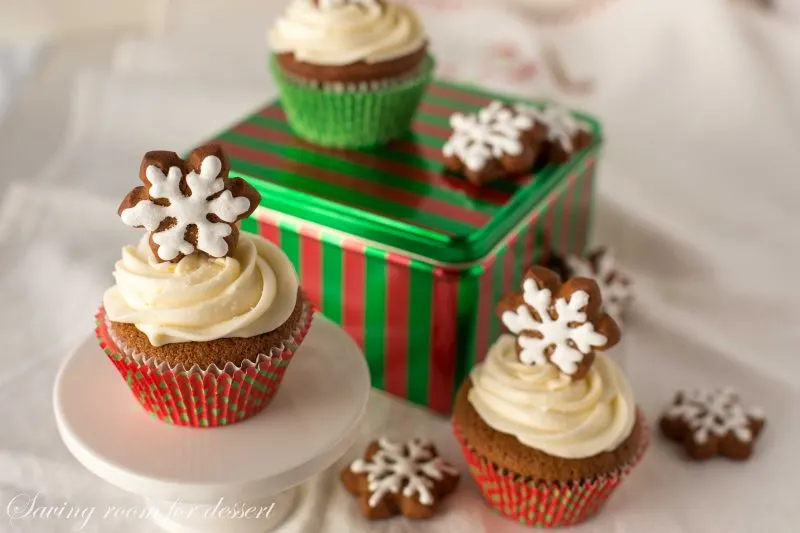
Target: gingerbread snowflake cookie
(710, 423)
(189, 206)
(494, 143)
(564, 134)
(558, 323)
(400, 478)
(615, 286)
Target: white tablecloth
(700, 102)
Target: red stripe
(383, 192)
(566, 213)
(378, 163)
(458, 95)
(353, 272)
(508, 264)
(485, 310)
(311, 265)
(444, 339)
(397, 315)
(268, 229)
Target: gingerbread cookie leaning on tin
(400, 478)
(558, 323)
(711, 423)
(494, 143)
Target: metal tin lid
(397, 195)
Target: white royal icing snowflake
(716, 412)
(491, 133)
(570, 334)
(614, 285)
(188, 210)
(561, 124)
(409, 467)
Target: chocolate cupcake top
(343, 32)
(193, 278)
(545, 384)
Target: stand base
(241, 478)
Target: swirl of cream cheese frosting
(365, 31)
(203, 298)
(548, 411)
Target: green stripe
(250, 225)
(290, 242)
(330, 161)
(419, 330)
(293, 180)
(468, 290)
(375, 313)
(497, 291)
(332, 279)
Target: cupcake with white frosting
(202, 321)
(351, 72)
(548, 424)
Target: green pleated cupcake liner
(358, 116)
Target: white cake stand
(241, 478)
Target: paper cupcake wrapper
(204, 398)
(360, 116)
(545, 504)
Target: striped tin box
(410, 261)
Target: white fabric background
(700, 102)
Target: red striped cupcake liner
(203, 398)
(545, 504)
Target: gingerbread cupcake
(547, 423)
(203, 320)
(351, 72)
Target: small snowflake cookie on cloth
(189, 206)
(564, 134)
(710, 423)
(494, 143)
(558, 323)
(400, 478)
(615, 286)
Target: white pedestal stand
(241, 478)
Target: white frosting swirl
(203, 298)
(348, 33)
(548, 411)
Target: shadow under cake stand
(195, 480)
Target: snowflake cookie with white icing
(615, 286)
(494, 143)
(189, 206)
(558, 323)
(712, 422)
(400, 478)
(564, 134)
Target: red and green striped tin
(409, 260)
